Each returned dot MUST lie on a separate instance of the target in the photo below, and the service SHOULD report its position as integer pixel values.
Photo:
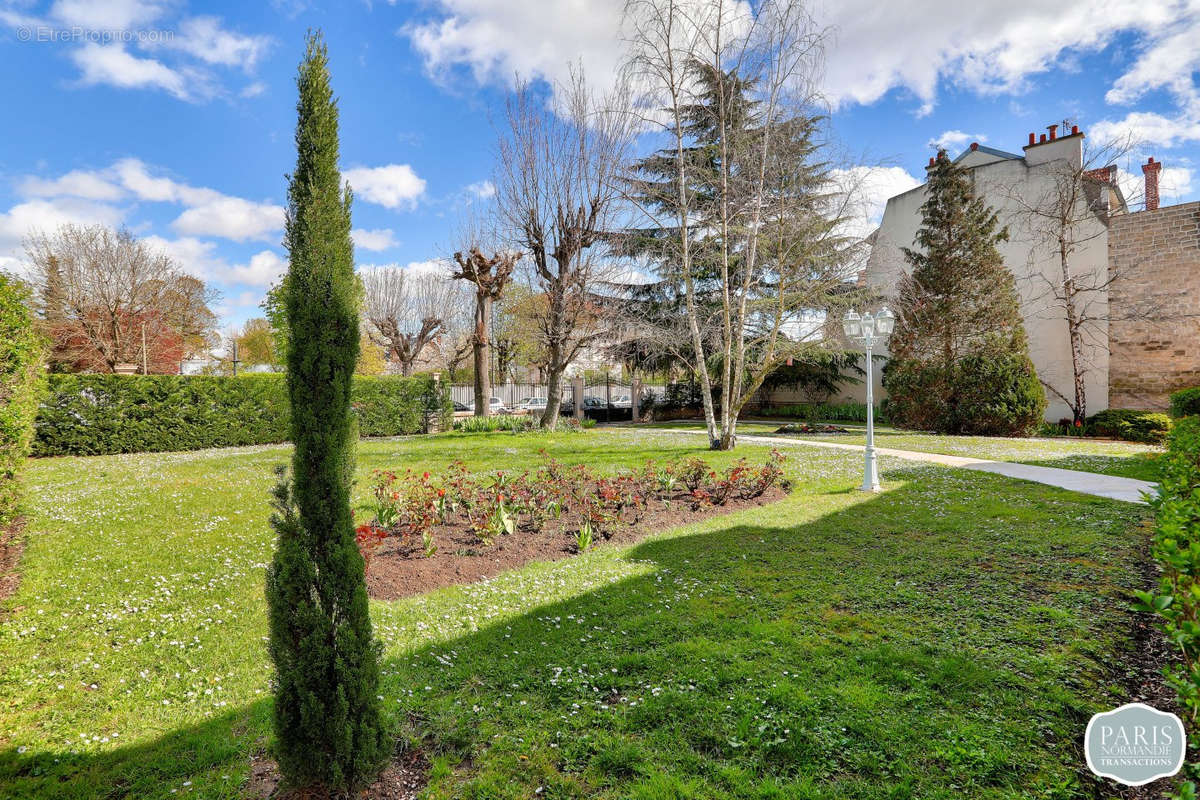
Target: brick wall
(1154, 301)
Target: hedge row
(1185, 403)
(1130, 425)
(20, 370)
(1176, 600)
(100, 414)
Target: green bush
(515, 424)
(1176, 548)
(983, 394)
(832, 412)
(1185, 403)
(101, 414)
(20, 373)
(1130, 425)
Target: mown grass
(946, 638)
(1104, 456)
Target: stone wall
(1154, 297)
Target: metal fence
(602, 400)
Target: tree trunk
(1076, 336)
(483, 389)
(554, 375)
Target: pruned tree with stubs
(489, 275)
(558, 198)
(405, 311)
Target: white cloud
(205, 39)
(198, 257)
(263, 270)
(106, 15)
(111, 64)
(135, 176)
(1148, 128)
(439, 266)
(955, 140)
(990, 46)
(207, 211)
(867, 190)
(77, 183)
(482, 189)
(253, 90)
(45, 215)
(391, 186)
(498, 39)
(377, 239)
(232, 218)
(1174, 183)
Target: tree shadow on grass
(217, 747)
(931, 641)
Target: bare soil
(12, 543)
(403, 779)
(399, 567)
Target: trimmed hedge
(20, 373)
(102, 414)
(1185, 403)
(1176, 600)
(1130, 425)
(823, 412)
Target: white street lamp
(868, 331)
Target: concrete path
(1128, 490)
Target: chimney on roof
(1053, 131)
(1032, 140)
(974, 145)
(1151, 169)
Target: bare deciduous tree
(107, 298)
(405, 311)
(489, 275)
(557, 197)
(1060, 213)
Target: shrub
(1185, 403)
(1130, 425)
(983, 394)
(1176, 548)
(100, 414)
(998, 396)
(20, 372)
(835, 412)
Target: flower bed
(425, 531)
(804, 427)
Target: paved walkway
(1127, 489)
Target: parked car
(460, 406)
(622, 401)
(495, 406)
(592, 407)
(532, 404)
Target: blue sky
(175, 118)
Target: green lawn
(947, 638)
(1126, 459)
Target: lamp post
(869, 330)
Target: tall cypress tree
(327, 722)
(959, 358)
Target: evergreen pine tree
(327, 721)
(959, 360)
